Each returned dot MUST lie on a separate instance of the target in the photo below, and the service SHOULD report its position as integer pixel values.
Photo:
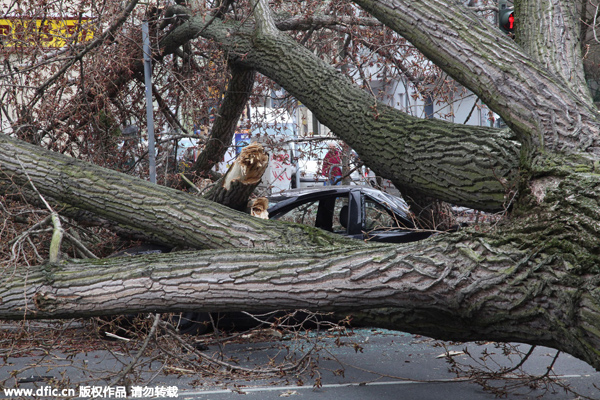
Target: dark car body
(355, 211)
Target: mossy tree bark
(471, 166)
(535, 278)
(461, 288)
(166, 215)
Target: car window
(377, 217)
(305, 214)
(324, 213)
(340, 215)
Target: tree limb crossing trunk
(237, 95)
(436, 287)
(535, 279)
(165, 215)
(465, 165)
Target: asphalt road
(395, 365)
(370, 364)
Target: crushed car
(358, 212)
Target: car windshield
(393, 201)
(384, 213)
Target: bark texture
(535, 278)
(466, 165)
(547, 30)
(165, 215)
(458, 288)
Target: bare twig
(190, 183)
(137, 357)
(113, 336)
(58, 232)
(231, 367)
(108, 33)
(31, 230)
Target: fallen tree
(462, 286)
(535, 278)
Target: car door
(352, 215)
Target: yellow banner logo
(49, 32)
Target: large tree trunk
(533, 278)
(437, 287)
(475, 286)
(165, 215)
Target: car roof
(318, 190)
(289, 196)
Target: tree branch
(58, 231)
(312, 21)
(237, 95)
(265, 24)
(139, 205)
(140, 352)
(537, 105)
(437, 287)
(406, 152)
